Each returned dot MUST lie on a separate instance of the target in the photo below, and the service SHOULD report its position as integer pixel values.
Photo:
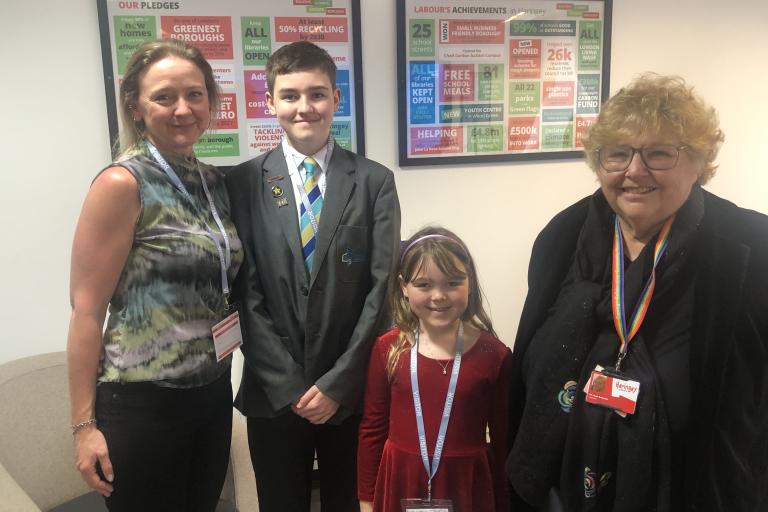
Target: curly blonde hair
(657, 105)
(442, 248)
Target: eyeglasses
(657, 157)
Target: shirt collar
(321, 157)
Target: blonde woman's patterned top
(170, 292)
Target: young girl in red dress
(442, 345)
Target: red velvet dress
(471, 472)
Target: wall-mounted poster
(237, 38)
(499, 80)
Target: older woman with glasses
(640, 377)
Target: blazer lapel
(274, 167)
(341, 182)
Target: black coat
(727, 444)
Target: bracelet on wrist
(80, 426)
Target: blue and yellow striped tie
(308, 239)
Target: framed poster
(499, 80)
(237, 37)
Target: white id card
(419, 505)
(227, 335)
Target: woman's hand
(91, 448)
(366, 506)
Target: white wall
(54, 139)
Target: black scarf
(598, 460)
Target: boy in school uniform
(320, 226)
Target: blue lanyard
(431, 472)
(225, 258)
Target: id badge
(610, 390)
(227, 335)
(417, 505)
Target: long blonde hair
(440, 247)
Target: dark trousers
(283, 451)
(169, 447)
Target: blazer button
(304, 291)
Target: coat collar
(275, 173)
(718, 301)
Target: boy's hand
(315, 407)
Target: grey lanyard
(225, 258)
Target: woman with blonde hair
(639, 366)
(151, 393)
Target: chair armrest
(244, 481)
(14, 498)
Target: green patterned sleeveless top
(170, 293)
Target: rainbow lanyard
(617, 288)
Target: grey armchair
(37, 470)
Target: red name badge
(227, 336)
(612, 391)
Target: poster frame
(507, 156)
(111, 99)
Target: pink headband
(425, 237)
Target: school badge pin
(277, 191)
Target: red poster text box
(263, 138)
(524, 133)
(437, 140)
(457, 82)
(557, 94)
(525, 58)
(471, 32)
(592, 15)
(302, 2)
(226, 117)
(582, 125)
(331, 30)
(212, 34)
(255, 95)
(564, 6)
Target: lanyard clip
(619, 360)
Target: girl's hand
(366, 506)
(90, 448)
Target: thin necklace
(444, 367)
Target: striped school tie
(308, 238)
